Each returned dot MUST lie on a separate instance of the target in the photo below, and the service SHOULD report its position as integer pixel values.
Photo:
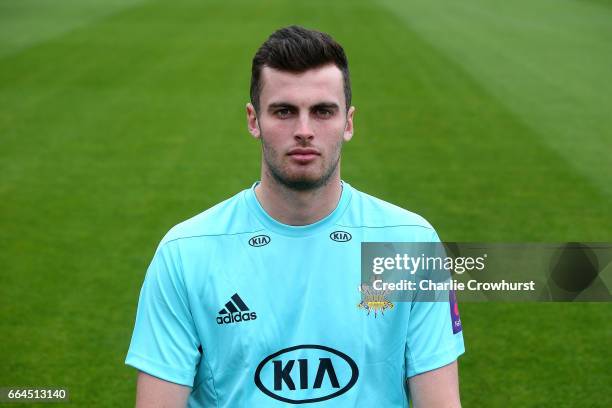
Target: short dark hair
(298, 49)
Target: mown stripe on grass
(24, 23)
(547, 61)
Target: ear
(348, 128)
(252, 123)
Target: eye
(282, 113)
(324, 113)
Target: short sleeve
(435, 337)
(164, 342)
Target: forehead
(323, 84)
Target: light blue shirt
(250, 312)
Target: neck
(298, 207)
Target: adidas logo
(231, 314)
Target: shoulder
(369, 212)
(229, 217)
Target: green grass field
(120, 119)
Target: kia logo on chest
(340, 236)
(259, 240)
(306, 374)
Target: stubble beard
(302, 181)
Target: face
(302, 124)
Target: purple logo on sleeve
(454, 311)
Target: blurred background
(118, 119)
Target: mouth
(303, 155)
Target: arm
(152, 392)
(437, 388)
(165, 343)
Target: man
(254, 302)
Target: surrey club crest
(373, 300)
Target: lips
(303, 154)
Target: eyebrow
(325, 105)
(281, 105)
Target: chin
(301, 177)
(302, 181)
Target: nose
(303, 131)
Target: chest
(251, 298)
